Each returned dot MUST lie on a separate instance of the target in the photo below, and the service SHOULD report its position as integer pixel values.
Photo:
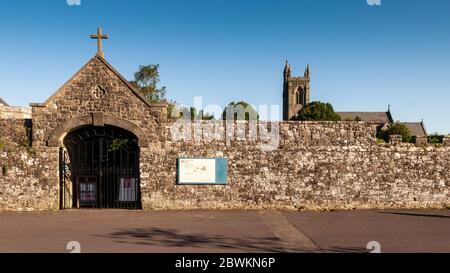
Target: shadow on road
(158, 237)
(417, 214)
(344, 250)
(173, 238)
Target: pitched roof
(378, 117)
(416, 128)
(3, 102)
(115, 72)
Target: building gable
(96, 70)
(95, 90)
(416, 128)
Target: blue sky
(362, 57)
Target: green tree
(192, 111)
(200, 115)
(146, 81)
(171, 106)
(207, 116)
(317, 111)
(435, 138)
(240, 111)
(396, 128)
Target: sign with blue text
(202, 171)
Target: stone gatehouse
(96, 143)
(82, 121)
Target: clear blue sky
(362, 57)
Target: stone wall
(28, 178)
(316, 166)
(14, 112)
(15, 132)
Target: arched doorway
(103, 162)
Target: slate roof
(416, 128)
(3, 102)
(378, 117)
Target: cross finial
(99, 36)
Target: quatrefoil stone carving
(98, 92)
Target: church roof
(416, 128)
(110, 67)
(3, 102)
(378, 117)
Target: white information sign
(197, 170)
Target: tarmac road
(225, 231)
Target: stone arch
(300, 93)
(56, 138)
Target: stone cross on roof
(99, 36)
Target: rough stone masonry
(314, 166)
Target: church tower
(296, 92)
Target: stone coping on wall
(278, 133)
(298, 133)
(14, 112)
(293, 122)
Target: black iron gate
(104, 166)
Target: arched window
(299, 96)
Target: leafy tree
(435, 138)
(171, 106)
(317, 111)
(192, 111)
(146, 81)
(207, 116)
(239, 111)
(200, 115)
(396, 128)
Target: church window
(299, 96)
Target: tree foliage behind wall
(240, 111)
(435, 138)
(317, 111)
(396, 128)
(146, 80)
(177, 112)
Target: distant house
(384, 119)
(416, 128)
(376, 117)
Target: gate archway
(104, 168)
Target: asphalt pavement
(202, 231)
